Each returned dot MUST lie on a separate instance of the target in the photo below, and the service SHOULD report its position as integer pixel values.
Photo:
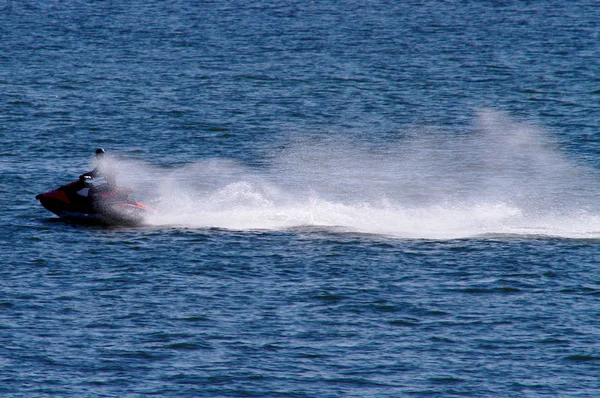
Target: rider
(102, 172)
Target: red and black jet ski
(91, 200)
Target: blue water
(353, 199)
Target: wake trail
(504, 177)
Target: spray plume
(502, 178)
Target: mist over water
(501, 177)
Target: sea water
(352, 199)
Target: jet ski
(91, 200)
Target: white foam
(503, 177)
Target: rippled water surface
(382, 199)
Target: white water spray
(505, 178)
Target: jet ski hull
(113, 207)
